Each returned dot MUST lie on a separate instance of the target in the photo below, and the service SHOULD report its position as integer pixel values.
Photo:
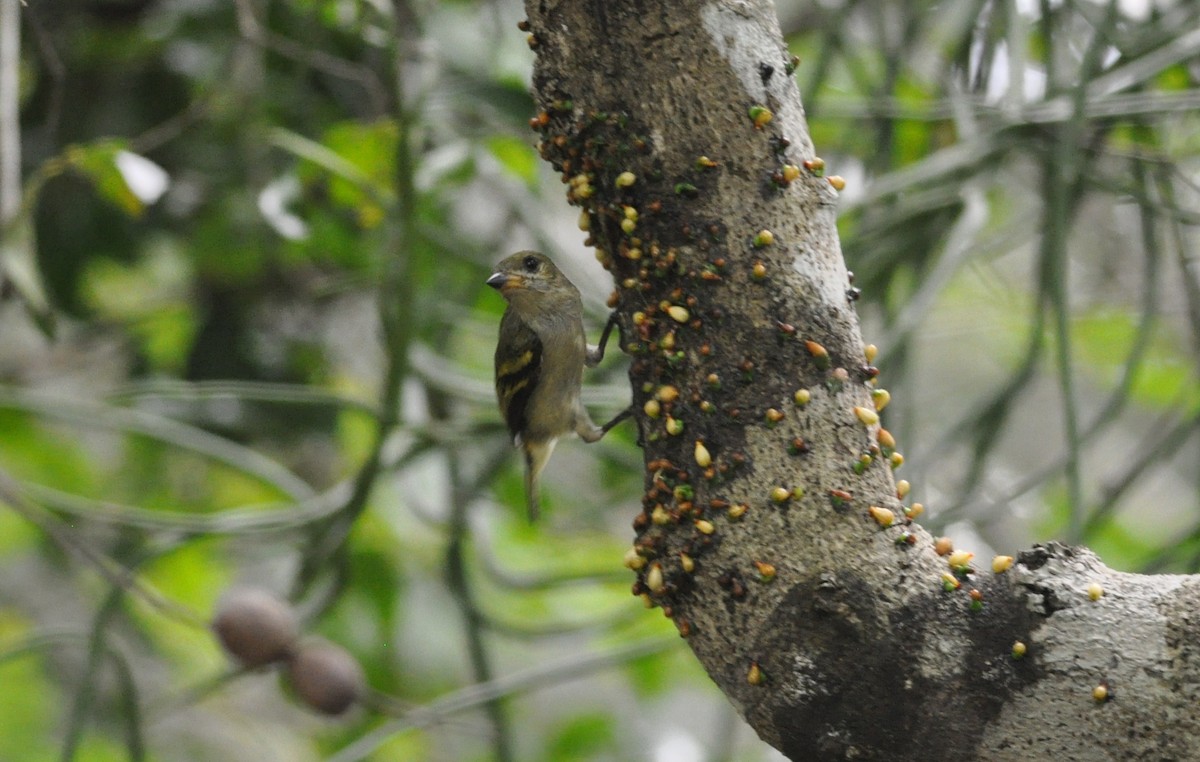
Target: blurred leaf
(16, 534)
(166, 336)
(373, 551)
(29, 708)
(582, 737)
(651, 675)
(516, 156)
(1165, 379)
(98, 163)
(194, 575)
(1166, 382)
(411, 745)
(366, 617)
(34, 452)
(1122, 547)
(363, 174)
(229, 246)
(912, 139)
(151, 297)
(1174, 78)
(99, 748)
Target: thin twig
(116, 575)
(473, 696)
(396, 307)
(1106, 416)
(252, 30)
(258, 391)
(459, 583)
(10, 125)
(92, 415)
(1162, 442)
(82, 703)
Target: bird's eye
(531, 264)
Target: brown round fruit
(326, 677)
(255, 627)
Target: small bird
(540, 358)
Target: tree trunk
(771, 531)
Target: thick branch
(765, 533)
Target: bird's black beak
(503, 281)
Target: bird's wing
(518, 366)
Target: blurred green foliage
(258, 228)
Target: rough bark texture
(835, 636)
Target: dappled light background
(244, 340)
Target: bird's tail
(536, 455)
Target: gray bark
(854, 649)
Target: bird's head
(529, 277)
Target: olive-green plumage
(540, 357)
